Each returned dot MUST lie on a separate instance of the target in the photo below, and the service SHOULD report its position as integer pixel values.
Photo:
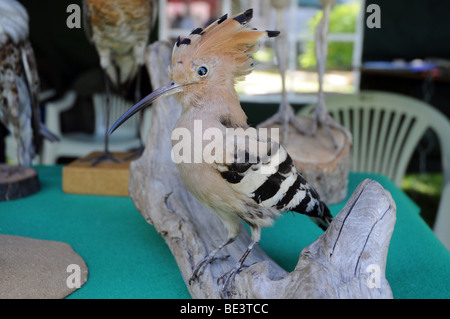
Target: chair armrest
(53, 110)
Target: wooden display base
(106, 178)
(323, 166)
(17, 182)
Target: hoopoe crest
(227, 44)
(208, 59)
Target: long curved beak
(168, 89)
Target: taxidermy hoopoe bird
(120, 31)
(19, 83)
(204, 68)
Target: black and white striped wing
(268, 176)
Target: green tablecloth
(128, 259)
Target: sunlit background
(408, 55)
(300, 18)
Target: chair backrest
(118, 106)
(386, 128)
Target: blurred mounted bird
(285, 114)
(19, 83)
(120, 31)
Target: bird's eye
(202, 71)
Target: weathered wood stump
(17, 182)
(336, 265)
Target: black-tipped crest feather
(244, 17)
(230, 39)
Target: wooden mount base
(106, 178)
(17, 182)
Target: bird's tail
(324, 218)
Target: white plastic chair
(80, 144)
(386, 128)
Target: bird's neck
(220, 104)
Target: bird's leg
(228, 277)
(18, 146)
(106, 156)
(23, 153)
(137, 98)
(200, 267)
(285, 114)
(10, 170)
(19, 168)
(321, 115)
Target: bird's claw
(200, 267)
(324, 119)
(138, 153)
(12, 170)
(327, 123)
(285, 116)
(198, 270)
(104, 157)
(227, 279)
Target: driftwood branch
(334, 266)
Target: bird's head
(207, 59)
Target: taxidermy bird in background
(244, 184)
(120, 31)
(321, 115)
(19, 83)
(285, 114)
